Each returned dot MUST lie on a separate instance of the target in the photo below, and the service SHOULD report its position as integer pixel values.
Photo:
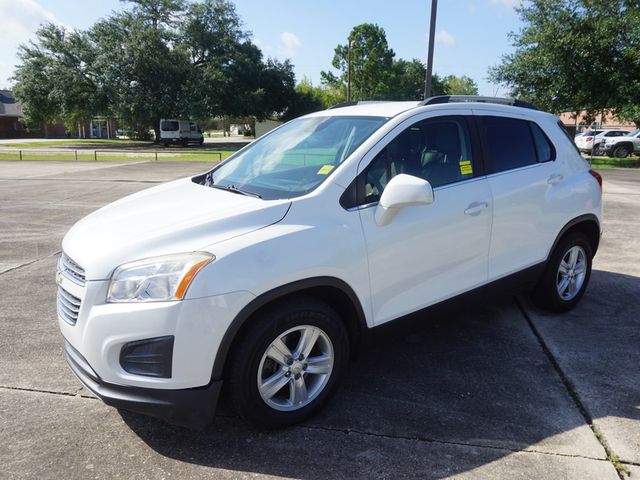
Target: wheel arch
(335, 292)
(588, 224)
(628, 145)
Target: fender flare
(589, 217)
(273, 295)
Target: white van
(180, 132)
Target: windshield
(633, 134)
(294, 159)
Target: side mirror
(401, 191)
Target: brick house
(12, 126)
(604, 119)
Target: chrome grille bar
(71, 270)
(68, 306)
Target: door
(529, 192)
(427, 253)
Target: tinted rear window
(508, 143)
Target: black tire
(621, 151)
(546, 295)
(185, 142)
(241, 377)
(201, 141)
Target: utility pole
(349, 73)
(432, 36)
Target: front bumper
(191, 408)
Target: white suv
(591, 141)
(623, 146)
(266, 271)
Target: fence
(108, 155)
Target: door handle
(475, 208)
(555, 178)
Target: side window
(438, 150)
(192, 127)
(508, 143)
(544, 148)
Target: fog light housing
(151, 357)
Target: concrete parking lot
(494, 389)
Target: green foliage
(162, 58)
(464, 85)
(371, 63)
(55, 78)
(407, 81)
(576, 55)
(376, 74)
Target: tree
(141, 68)
(371, 63)
(464, 85)
(158, 12)
(408, 81)
(576, 55)
(161, 59)
(228, 73)
(309, 98)
(376, 74)
(55, 78)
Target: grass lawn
(79, 142)
(118, 156)
(608, 162)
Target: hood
(180, 216)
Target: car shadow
(444, 392)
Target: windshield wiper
(234, 189)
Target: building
(10, 114)
(604, 119)
(12, 125)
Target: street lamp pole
(349, 73)
(432, 35)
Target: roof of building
(9, 106)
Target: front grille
(68, 306)
(71, 269)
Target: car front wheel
(621, 152)
(288, 364)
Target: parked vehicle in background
(180, 132)
(621, 147)
(264, 272)
(591, 140)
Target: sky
(471, 35)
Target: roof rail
(474, 98)
(355, 102)
(342, 104)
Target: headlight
(156, 279)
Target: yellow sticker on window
(325, 169)
(465, 167)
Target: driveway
(490, 389)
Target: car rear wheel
(288, 364)
(566, 276)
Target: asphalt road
(490, 390)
